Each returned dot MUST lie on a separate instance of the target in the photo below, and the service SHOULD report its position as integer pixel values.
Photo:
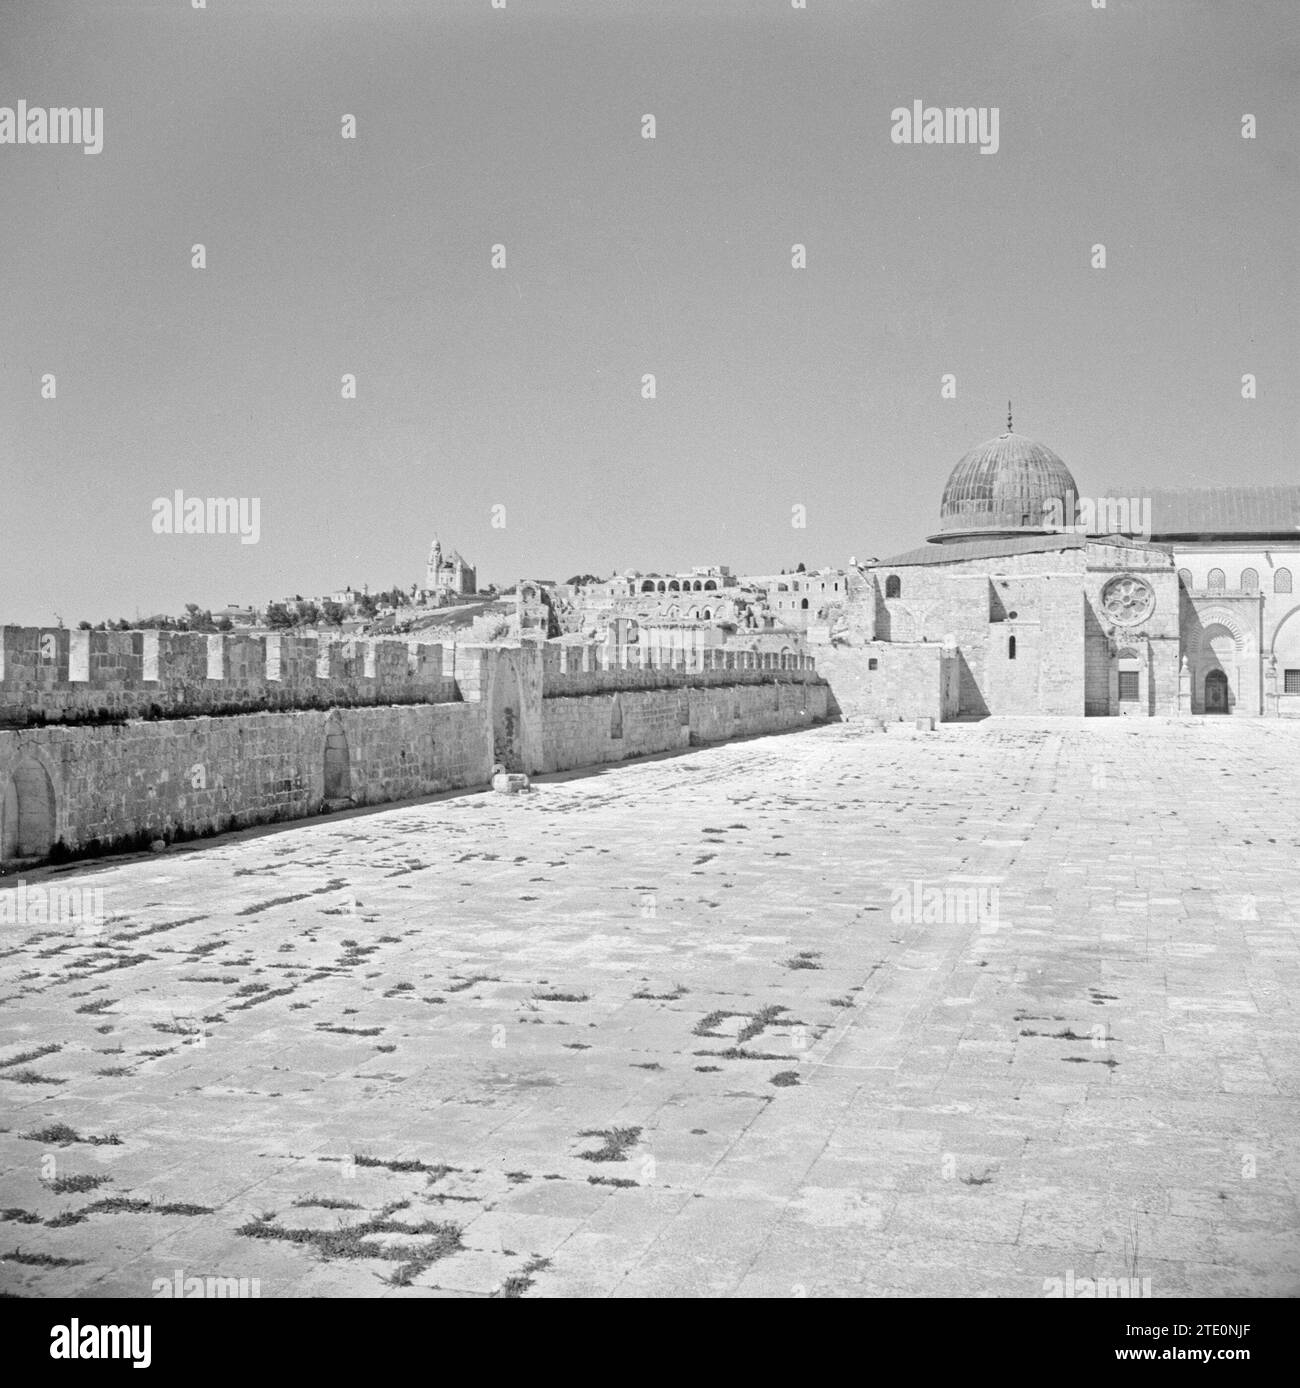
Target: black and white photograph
(650, 649)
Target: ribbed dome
(1002, 486)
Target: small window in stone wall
(893, 586)
(1128, 686)
(1011, 647)
(1185, 578)
(873, 663)
(1291, 682)
(1282, 581)
(1249, 581)
(616, 718)
(1215, 581)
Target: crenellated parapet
(594, 668)
(58, 675)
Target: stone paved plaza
(664, 1030)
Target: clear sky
(521, 387)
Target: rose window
(1128, 600)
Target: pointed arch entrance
(27, 812)
(338, 762)
(1216, 692)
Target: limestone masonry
(119, 739)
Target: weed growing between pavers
(61, 1221)
(40, 1260)
(433, 1171)
(27, 1076)
(705, 1026)
(61, 1135)
(13, 1215)
(353, 1241)
(63, 1185)
(460, 985)
(764, 1017)
(23, 1056)
(784, 1078)
(122, 1204)
(739, 1053)
(616, 1142)
(519, 1282)
(561, 997)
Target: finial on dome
(1009, 429)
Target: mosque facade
(1015, 606)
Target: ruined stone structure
(1008, 611)
(117, 739)
(803, 600)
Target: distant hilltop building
(448, 578)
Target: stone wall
(80, 787)
(55, 675)
(590, 729)
(908, 681)
(187, 777)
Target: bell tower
(434, 565)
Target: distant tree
(581, 580)
(196, 618)
(83, 625)
(223, 623)
(801, 569)
(331, 612)
(367, 605)
(277, 616)
(308, 614)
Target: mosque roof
(1232, 511)
(957, 551)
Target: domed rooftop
(1002, 487)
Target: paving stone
(1104, 1084)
